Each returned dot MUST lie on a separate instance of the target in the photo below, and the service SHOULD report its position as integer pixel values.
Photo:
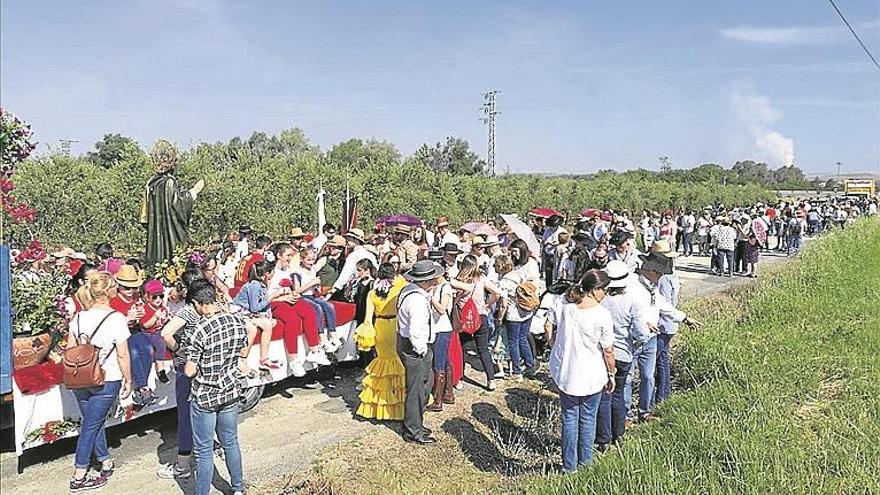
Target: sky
(583, 86)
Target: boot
(439, 383)
(448, 391)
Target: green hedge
(81, 204)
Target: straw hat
(128, 276)
(356, 234)
(337, 241)
(489, 241)
(64, 252)
(402, 229)
(661, 247)
(296, 233)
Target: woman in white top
(516, 320)
(106, 329)
(582, 364)
(523, 263)
(441, 309)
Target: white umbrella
(522, 231)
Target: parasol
(589, 213)
(400, 219)
(480, 228)
(524, 232)
(545, 212)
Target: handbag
(82, 368)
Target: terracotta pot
(28, 351)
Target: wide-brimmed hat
(435, 254)
(442, 221)
(80, 256)
(662, 247)
(296, 233)
(424, 270)
(128, 276)
(64, 252)
(489, 241)
(401, 229)
(337, 241)
(619, 238)
(618, 273)
(356, 233)
(451, 248)
(656, 262)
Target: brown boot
(448, 391)
(439, 382)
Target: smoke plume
(756, 114)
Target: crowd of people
(596, 301)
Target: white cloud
(793, 34)
(755, 113)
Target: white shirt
(442, 323)
(652, 307)
(348, 270)
(241, 250)
(318, 242)
(529, 271)
(447, 238)
(577, 364)
(113, 332)
(414, 321)
(630, 257)
(304, 276)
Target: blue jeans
(441, 351)
(646, 357)
(140, 350)
(223, 419)
(182, 386)
(578, 429)
(794, 243)
(610, 424)
(94, 405)
(518, 344)
(663, 375)
(325, 310)
(725, 255)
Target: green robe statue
(168, 211)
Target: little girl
(253, 299)
(307, 284)
(154, 319)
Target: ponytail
(592, 280)
(95, 289)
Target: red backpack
(467, 319)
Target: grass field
(779, 391)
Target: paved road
(282, 435)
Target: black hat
(245, 229)
(451, 248)
(435, 254)
(620, 237)
(656, 262)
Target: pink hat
(154, 287)
(111, 266)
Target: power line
(489, 110)
(868, 52)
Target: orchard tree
(356, 154)
(454, 156)
(114, 148)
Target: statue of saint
(167, 206)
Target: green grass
(781, 389)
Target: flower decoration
(198, 258)
(15, 142)
(51, 431)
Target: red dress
(456, 359)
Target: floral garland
(51, 431)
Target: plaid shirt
(215, 345)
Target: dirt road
(282, 435)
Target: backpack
(80, 362)
(794, 227)
(467, 318)
(526, 296)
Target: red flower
(6, 185)
(49, 437)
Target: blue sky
(584, 85)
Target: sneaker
(163, 376)
(239, 492)
(491, 386)
(516, 377)
(500, 374)
(318, 358)
(172, 471)
(269, 364)
(602, 447)
(297, 369)
(86, 483)
(144, 397)
(106, 471)
(330, 346)
(336, 342)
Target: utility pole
(490, 113)
(65, 145)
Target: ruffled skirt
(384, 390)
